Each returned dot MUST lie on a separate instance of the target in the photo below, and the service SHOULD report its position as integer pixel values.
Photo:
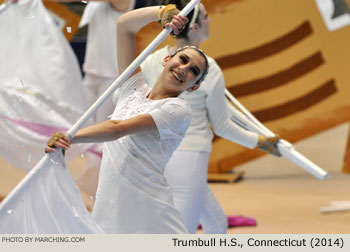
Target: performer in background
(187, 170)
(100, 63)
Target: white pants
(95, 86)
(187, 173)
(213, 218)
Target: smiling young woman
(145, 129)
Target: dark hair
(206, 70)
(180, 4)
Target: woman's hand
(168, 17)
(57, 140)
(269, 144)
(177, 24)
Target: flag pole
(286, 149)
(31, 176)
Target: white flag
(33, 50)
(50, 204)
(41, 87)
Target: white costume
(186, 171)
(100, 63)
(133, 195)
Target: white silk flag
(41, 87)
(52, 204)
(40, 92)
(33, 50)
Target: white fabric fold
(41, 87)
(52, 204)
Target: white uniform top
(208, 105)
(133, 195)
(101, 45)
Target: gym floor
(280, 196)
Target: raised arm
(130, 23)
(128, 26)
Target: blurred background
(288, 63)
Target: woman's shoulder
(176, 105)
(172, 117)
(176, 101)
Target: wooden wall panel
(280, 60)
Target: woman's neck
(158, 93)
